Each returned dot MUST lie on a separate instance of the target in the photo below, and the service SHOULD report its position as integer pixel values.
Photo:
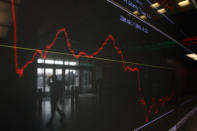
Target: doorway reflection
(86, 80)
(71, 79)
(48, 73)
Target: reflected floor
(78, 113)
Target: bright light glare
(40, 71)
(192, 56)
(67, 71)
(72, 63)
(73, 71)
(49, 61)
(155, 5)
(183, 3)
(59, 62)
(58, 71)
(161, 11)
(143, 17)
(195, 58)
(136, 12)
(65, 62)
(40, 61)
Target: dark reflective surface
(134, 76)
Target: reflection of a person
(39, 100)
(55, 93)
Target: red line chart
(148, 109)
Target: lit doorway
(86, 80)
(72, 74)
(71, 79)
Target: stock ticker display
(134, 46)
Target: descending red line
(20, 70)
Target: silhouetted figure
(55, 93)
(39, 101)
(62, 86)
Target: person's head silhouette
(54, 78)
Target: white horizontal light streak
(192, 56)
(183, 3)
(161, 11)
(155, 5)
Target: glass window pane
(49, 61)
(58, 62)
(73, 63)
(71, 78)
(48, 73)
(40, 60)
(65, 62)
(58, 73)
(40, 78)
(66, 71)
(76, 74)
(86, 80)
